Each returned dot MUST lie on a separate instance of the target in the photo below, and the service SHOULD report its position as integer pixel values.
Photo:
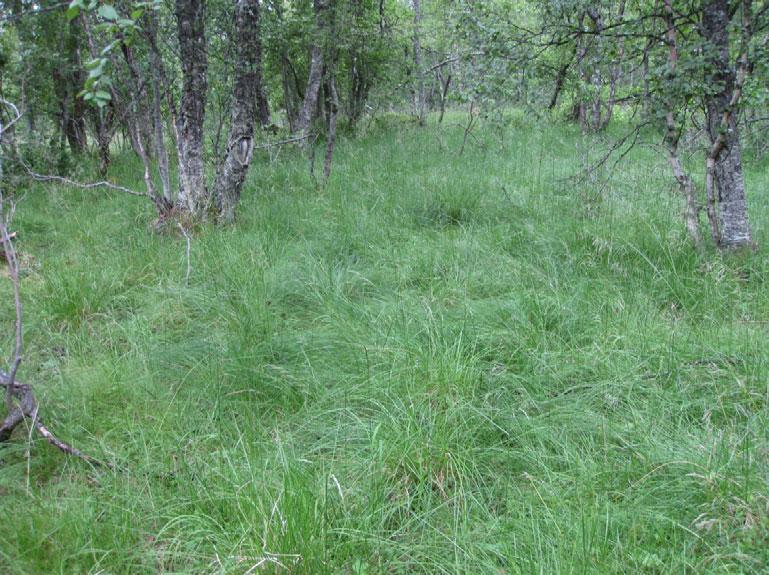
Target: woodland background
(354, 286)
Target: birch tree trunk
(310, 103)
(158, 85)
(193, 198)
(333, 106)
(725, 158)
(419, 92)
(262, 102)
(579, 113)
(240, 144)
(139, 120)
(616, 70)
(560, 78)
(290, 97)
(597, 76)
(359, 77)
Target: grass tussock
(435, 364)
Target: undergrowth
(434, 364)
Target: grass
(435, 364)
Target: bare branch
(630, 138)
(283, 142)
(83, 186)
(16, 115)
(13, 271)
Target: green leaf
(73, 12)
(108, 12)
(136, 14)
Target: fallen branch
(26, 408)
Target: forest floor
(434, 364)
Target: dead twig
(16, 115)
(189, 245)
(588, 173)
(471, 118)
(283, 142)
(20, 400)
(82, 185)
(26, 408)
(13, 271)
(13, 268)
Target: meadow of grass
(434, 364)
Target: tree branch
(83, 186)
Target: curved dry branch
(16, 115)
(82, 185)
(25, 408)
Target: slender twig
(471, 117)
(283, 142)
(631, 137)
(189, 263)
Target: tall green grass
(434, 364)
